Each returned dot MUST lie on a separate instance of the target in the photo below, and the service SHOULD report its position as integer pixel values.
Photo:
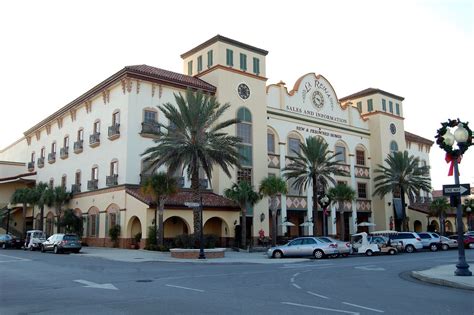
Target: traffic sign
(192, 204)
(456, 190)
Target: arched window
(93, 222)
(360, 156)
(294, 141)
(340, 150)
(244, 131)
(270, 141)
(393, 146)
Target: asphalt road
(37, 283)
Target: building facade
(93, 145)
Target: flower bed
(185, 253)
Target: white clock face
(317, 99)
(393, 129)
(244, 91)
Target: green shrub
(151, 239)
(114, 233)
(188, 241)
(137, 238)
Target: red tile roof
(209, 199)
(415, 138)
(368, 92)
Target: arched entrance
(134, 227)
(218, 227)
(174, 226)
(448, 227)
(417, 226)
(435, 226)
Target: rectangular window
(150, 116)
(362, 190)
(292, 190)
(199, 64)
(209, 59)
(190, 67)
(397, 109)
(271, 142)
(244, 131)
(341, 154)
(244, 175)
(359, 106)
(293, 146)
(116, 118)
(51, 183)
(80, 135)
(92, 219)
(53, 147)
(243, 62)
(246, 155)
(229, 57)
(42, 153)
(360, 157)
(384, 105)
(390, 106)
(112, 219)
(63, 182)
(113, 168)
(66, 142)
(77, 180)
(95, 173)
(32, 157)
(370, 105)
(97, 127)
(256, 66)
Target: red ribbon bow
(449, 158)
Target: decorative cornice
(38, 134)
(106, 96)
(160, 91)
(138, 86)
(59, 121)
(48, 129)
(88, 105)
(153, 87)
(72, 112)
(28, 140)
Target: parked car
(430, 240)
(410, 240)
(385, 245)
(304, 246)
(467, 239)
(361, 244)
(447, 243)
(59, 243)
(10, 241)
(344, 248)
(34, 239)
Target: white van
(34, 239)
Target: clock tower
(237, 70)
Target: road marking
(15, 259)
(185, 288)
(370, 268)
(365, 308)
(318, 295)
(90, 284)
(294, 276)
(296, 286)
(320, 308)
(296, 266)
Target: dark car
(59, 243)
(10, 241)
(467, 239)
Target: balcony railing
(362, 171)
(52, 157)
(40, 162)
(94, 139)
(114, 131)
(64, 153)
(150, 128)
(78, 146)
(363, 205)
(93, 184)
(31, 166)
(76, 188)
(273, 160)
(111, 180)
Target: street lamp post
(324, 202)
(445, 139)
(468, 210)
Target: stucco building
(92, 146)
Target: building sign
(317, 99)
(318, 131)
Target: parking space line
(320, 308)
(185, 288)
(318, 295)
(364, 307)
(296, 286)
(15, 259)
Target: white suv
(430, 240)
(411, 241)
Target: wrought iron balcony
(76, 188)
(40, 162)
(94, 139)
(78, 146)
(52, 157)
(93, 184)
(64, 153)
(31, 166)
(111, 180)
(114, 131)
(150, 128)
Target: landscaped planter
(194, 253)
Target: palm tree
(402, 175)
(160, 186)
(439, 208)
(245, 196)
(42, 199)
(314, 165)
(22, 195)
(58, 197)
(340, 194)
(271, 187)
(195, 139)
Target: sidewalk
(444, 275)
(231, 257)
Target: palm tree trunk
(404, 214)
(161, 231)
(24, 218)
(244, 227)
(274, 220)
(197, 210)
(41, 219)
(441, 224)
(58, 212)
(156, 221)
(315, 206)
(341, 218)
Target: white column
(353, 227)
(332, 229)
(283, 215)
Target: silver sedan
(344, 248)
(304, 247)
(447, 243)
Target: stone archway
(218, 227)
(174, 226)
(134, 227)
(418, 227)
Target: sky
(53, 51)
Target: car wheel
(369, 252)
(433, 247)
(56, 250)
(31, 248)
(409, 249)
(318, 254)
(277, 254)
(4, 246)
(392, 252)
(471, 245)
(42, 249)
(444, 247)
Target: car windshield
(325, 239)
(70, 237)
(38, 235)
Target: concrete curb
(439, 281)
